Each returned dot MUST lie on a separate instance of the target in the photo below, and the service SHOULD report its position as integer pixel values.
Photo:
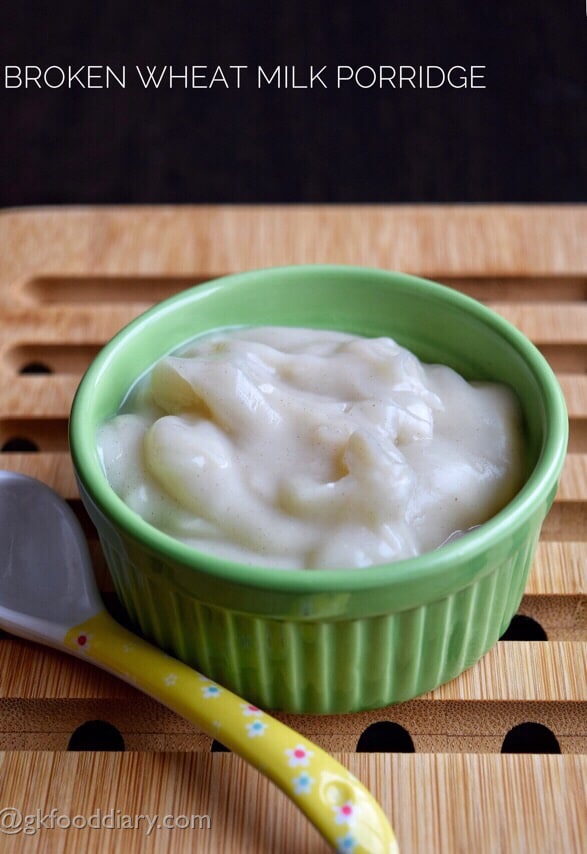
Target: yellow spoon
(48, 594)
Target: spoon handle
(336, 803)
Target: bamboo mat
(69, 279)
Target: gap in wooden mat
(519, 288)
(19, 435)
(110, 289)
(42, 359)
(561, 617)
(578, 435)
(565, 358)
(459, 726)
(96, 735)
(80, 289)
(524, 628)
(530, 737)
(385, 737)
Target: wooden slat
(54, 469)
(510, 671)
(559, 568)
(431, 240)
(573, 485)
(456, 802)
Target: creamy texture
(304, 448)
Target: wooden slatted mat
(495, 761)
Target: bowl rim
(447, 561)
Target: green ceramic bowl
(325, 641)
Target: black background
(522, 139)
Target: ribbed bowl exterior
(328, 641)
(320, 667)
